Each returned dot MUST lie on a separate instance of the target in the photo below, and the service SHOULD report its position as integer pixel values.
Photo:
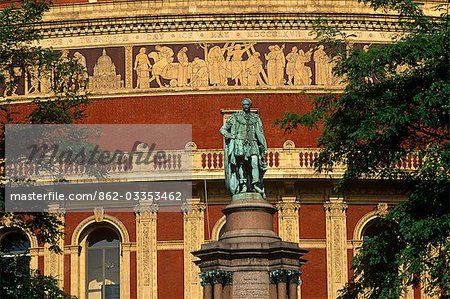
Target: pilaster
(74, 270)
(146, 252)
(54, 262)
(193, 238)
(336, 239)
(288, 219)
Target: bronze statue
(245, 151)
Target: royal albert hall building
(192, 62)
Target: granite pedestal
(249, 260)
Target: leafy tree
(17, 283)
(394, 110)
(64, 103)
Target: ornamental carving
(146, 220)
(105, 77)
(192, 66)
(336, 240)
(193, 238)
(288, 219)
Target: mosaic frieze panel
(199, 66)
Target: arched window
(103, 264)
(372, 228)
(13, 243)
(14, 259)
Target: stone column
(54, 262)
(207, 291)
(74, 270)
(227, 289)
(286, 281)
(218, 290)
(213, 283)
(146, 250)
(294, 285)
(272, 291)
(125, 281)
(336, 241)
(129, 67)
(288, 220)
(193, 238)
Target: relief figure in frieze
(83, 75)
(11, 78)
(199, 73)
(142, 67)
(303, 73)
(183, 67)
(163, 66)
(236, 63)
(33, 75)
(253, 70)
(291, 59)
(322, 67)
(217, 66)
(275, 65)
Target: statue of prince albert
(245, 151)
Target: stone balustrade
(195, 164)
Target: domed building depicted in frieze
(183, 62)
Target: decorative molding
(122, 230)
(288, 144)
(193, 237)
(336, 245)
(215, 22)
(129, 67)
(170, 245)
(99, 213)
(312, 243)
(380, 210)
(146, 246)
(215, 232)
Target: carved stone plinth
(250, 260)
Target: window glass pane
(14, 242)
(103, 264)
(94, 273)
(112, 266)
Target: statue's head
(246, 104)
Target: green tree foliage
(395, 107)
(16, 281)
(64, 103)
